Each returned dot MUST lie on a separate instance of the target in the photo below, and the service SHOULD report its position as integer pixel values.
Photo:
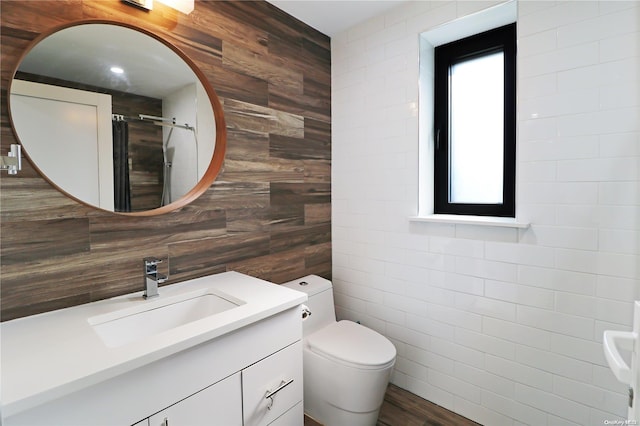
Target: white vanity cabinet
(272, 386)
(225, 381)
(218, 404)
(266, 393)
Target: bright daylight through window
(474, 118)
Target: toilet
(346, 366)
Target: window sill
(505, 222)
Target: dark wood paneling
(258, 119)
(235, 85)
(296, 148)
(259, 66)
(317, 213)
(27, 197)
(247, 220)
(303, 236)
(42, 239)
(286, 215)
(300, 193)
(267, 215)
(193, 258)
(317, 171)
(317, 259)
(277, 268)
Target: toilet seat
(349, 343)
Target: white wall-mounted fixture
(184, 6)
(12, 162)
(627, 373)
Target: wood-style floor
(402, 408)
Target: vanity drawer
(293, 417)
(279, 375)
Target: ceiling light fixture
(184, 6)
(117, 70)
(143, 4)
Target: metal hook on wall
(12, 162)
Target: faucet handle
(151, 264)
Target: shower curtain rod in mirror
(158, 121)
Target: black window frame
(445, 56)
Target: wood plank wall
(267, 215)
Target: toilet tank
(320, 303)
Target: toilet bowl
(346, 366)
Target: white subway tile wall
(503, 326)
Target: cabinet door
(80, 119)
(278, 376)
(219, 404)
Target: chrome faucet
(151, 277)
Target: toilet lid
(349, 342)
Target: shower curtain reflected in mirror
(121, 187)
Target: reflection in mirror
(114, 117)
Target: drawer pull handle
(270, 394)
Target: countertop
(53, 354)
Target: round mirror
(117, 118)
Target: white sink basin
(152, 317)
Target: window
(475, 124)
